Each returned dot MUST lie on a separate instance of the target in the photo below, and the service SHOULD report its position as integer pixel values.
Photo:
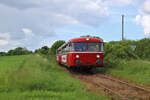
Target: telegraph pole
(122, 27)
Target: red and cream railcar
(81, 52)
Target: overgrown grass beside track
(11, 63)
(134, 70)
(37, 78)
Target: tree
(10, 52)
(3, 53)
(19, 51)
(55, 46)
(143, 48)
(44, 50)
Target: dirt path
(114, 88)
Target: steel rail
(99, 84)
(123, 82)
(114, 92)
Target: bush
(55, 46)
(3, 54)
(143, 48)
(115, 51)
(44, 50)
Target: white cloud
(119, 2)
(4, 36)
(146, 7)
(3, 42)
(27, 31)
(146, 24)
(44, 17)
(4, 39)
(143, 18)
(137, 19)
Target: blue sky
(35, 23)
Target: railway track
(127, 83)
(117, 89)
(125, 90)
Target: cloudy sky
(35, 23)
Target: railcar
(83, 52)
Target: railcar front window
(81, 46)
(93, 47)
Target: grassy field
(11, 63)
(36, 78)
(134, 70)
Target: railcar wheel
(68, 67)
(59, 63)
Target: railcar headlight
(98, 56)
(77, 56)
(87, 39)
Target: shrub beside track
(121, 61)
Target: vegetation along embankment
(128, 59)
(32, 77)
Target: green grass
(11, 63)
(134, 70)
(36, 78)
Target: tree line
(112, 49)
(126, 50)
(16, 51)
(45, 50)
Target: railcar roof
(86, 39)
(82, 39)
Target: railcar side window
(101, 46)
(67, 48)
(93, 47)
(63, 50)
(71, 46)
(81, 46)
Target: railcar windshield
(90, 46)
(93, 46)
(81, 46)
